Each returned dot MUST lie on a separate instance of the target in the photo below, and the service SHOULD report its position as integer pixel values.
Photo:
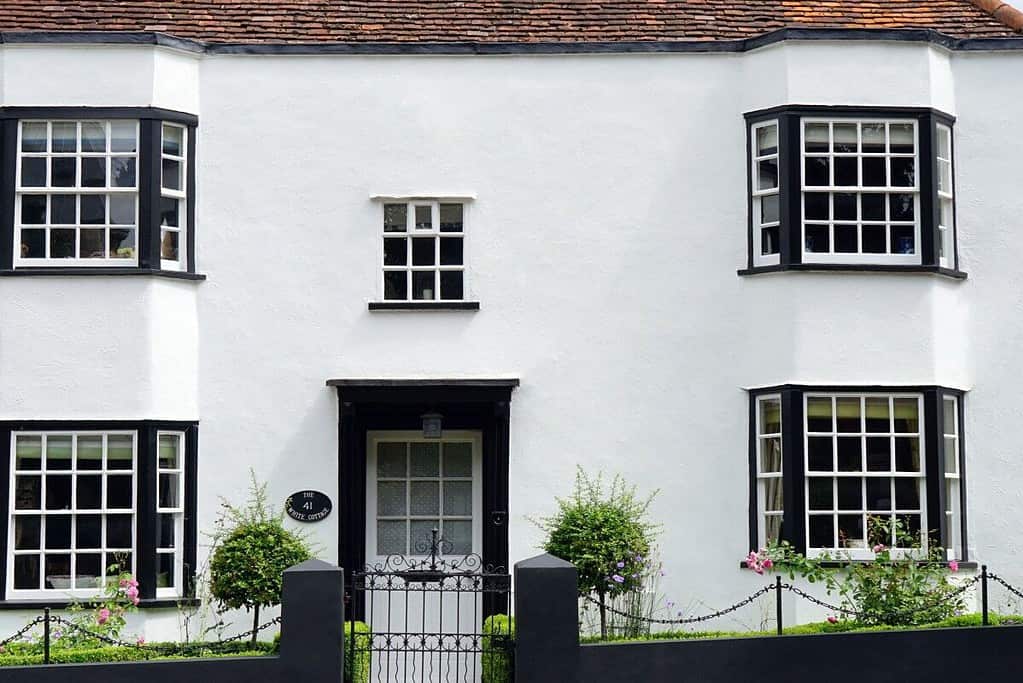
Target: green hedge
(965, 620)
(32, 655)
(497, 659)
(358, 663)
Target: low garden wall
(548, 649)
(312, 623)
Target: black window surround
(145, 512)
(789, 254)
(366, 405)
(793, 475)
(149, 191)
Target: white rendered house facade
(781, 285)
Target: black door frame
(366, 405)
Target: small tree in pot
(607, 536)
(251, 550)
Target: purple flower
(618, 579)
(620, 565)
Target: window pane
(62, 243)
(169, 447)
(94, 209)
(33, 209)
(457, 460)
(845, 138)
(904, 172)
(119, 531)
(822, 531)
(850, 458)
(873, 138)
(907, 494)
(395, 285)
(26, 572)
(877, 418)
(391, 498)
(94, 172)
(774, 495)
(395, 217)
(65, 137)
(770, 416)
(458, 498)
(169, 494)
(58, 532)
(769, 209)
(818, 239)
(421, 535)
(423, 252)
(451, 251)
(33, 172)
(451, 286)
(171, 175)
(170, 245)
(395, 251)
(122, 243)
(94, 137)
(26, 532)
(901, 138)
(122, 209)
(88, 531)
(165, 531)
(33, 137)
(422, 286)
(119, 492)
(850, 493)
(58, 492)
(847, 171)
(819, 454)
(874, 240)
(850, 531)
(120, 453)
(165, 571)
(424, 498)
(28, 453)
(391, 537)
(89, 492)
(770, 455)
(901, 207)
(170, 212)
(818, 172)
(58, 453)
(28, 491)
(63, 171)
(424, 459)
(879, 454)
(767, 174)
(58, 571)
(424, 217)
(848, 413)
(92, 243)
(123, 136)
(949, 414)
(88, 570)
(818, 414)
(907, 454)
(820, 493)
(846, 239)
(451, 218)
(767, 140)
(391, 459)
(772, 528)
(459, 535)
(122, 172)
(879, 494)
(875, 172)
(906, 415)
(816, 136)
(173, 140)
(903, 239)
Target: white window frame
(757, 195)
(763, 475)
(858, 258)
(953, 478)
(179, 516)
(107, 261)
(49, 593)
(944, 183)
(864, 553)
(373, 438)
(181, 196)
(411, 232)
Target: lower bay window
(88, 500)
(838, 470)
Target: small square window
(424, 251)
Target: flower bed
(28, 654)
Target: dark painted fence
(312, 622)
(548, 649)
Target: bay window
(97, 191)
(87, 501)
(840, 470)
(851, 188)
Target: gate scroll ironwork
(427, 618)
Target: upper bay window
(836, 187)
(97, 190)
(839, 470)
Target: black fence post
(312, 623)
(777, 602)
(46, 635)
(546, 621)
(983, 594)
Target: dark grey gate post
(312, 623)
(546, 621)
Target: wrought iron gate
(430, 620)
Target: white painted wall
(609, 222)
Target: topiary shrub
(605, 534)
(357, 659)
(251, 550)
(498, 635)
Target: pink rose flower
(141, 640)
(768, 563)
(103, 616)
(832, 620)
(953, 566)
(880, 548)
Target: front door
(424, 532)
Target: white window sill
(424, 305)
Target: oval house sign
(308, 506)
